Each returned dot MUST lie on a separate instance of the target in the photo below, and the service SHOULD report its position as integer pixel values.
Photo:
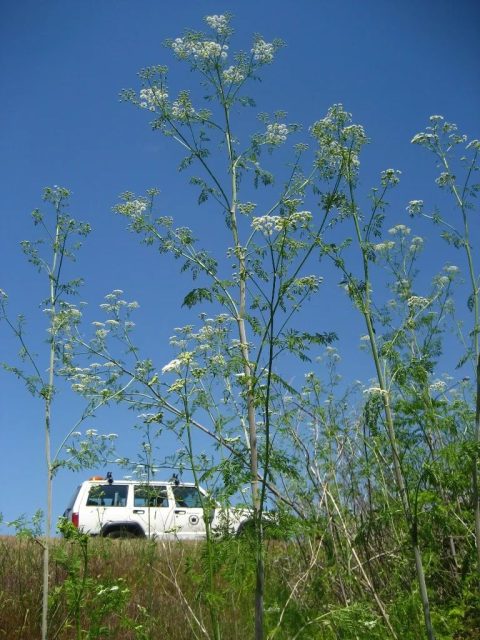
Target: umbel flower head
(190, 47)
(263, 52)
(220, 24)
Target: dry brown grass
(164, 579)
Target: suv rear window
(108, 495)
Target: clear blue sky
(63, 63)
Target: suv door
(152, 510)
(189, 523)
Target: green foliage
(360, 494)
(29, 528)
(89, 601)
(196, 296)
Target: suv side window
(187, 497)
(150, 496)
(108, 495)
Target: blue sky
(63, 63)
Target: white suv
(129, 508)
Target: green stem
(58, 245)
(208, 533)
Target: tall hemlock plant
(459, 178)
(57, 244)
(269, 247)
(340, 145)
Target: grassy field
(141, 590)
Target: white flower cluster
(423, 138)
(375, 391)
(399, 229)
(138, 206)
(276, 134)
(339, 141)
(414, 207)
(135, 208)
(418, 301)
(152, 97)
(438, 386)
(83, 379)
(218, 23)
(382, 247)
(263, 52)
(233, 75)
(442, 281)
(300, 218)
(266, 224)
(62, 318)
(445, 179)
(132, 208)
(390, 177)
(115, 306)
(416, 244)
(204, 49)
(355, 133)
(331, 351)
(452, 269)
(269, 224)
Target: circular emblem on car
(193, 519)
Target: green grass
(160, 591)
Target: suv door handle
(179, 511)
(138, 511)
